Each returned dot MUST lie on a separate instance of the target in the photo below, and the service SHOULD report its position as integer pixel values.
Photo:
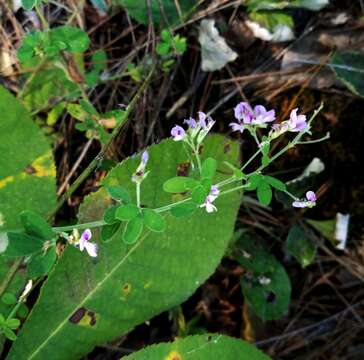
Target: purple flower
(202, 119)
(296, 122)
(243, 112)
(311, 196)
(214, 191)
(145, 157)
(191, 122)
(310, 201)
(236, 127)
(208, 204)
(178, 133)
(84, 243)
(262, 116)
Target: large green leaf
(201, 347)
(27, 172)
(27, 178)
(86, 302)
(138, 10)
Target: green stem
(10, 275)
(92, 224)
(42, 18)
(138, 193)
(250, 160)
(327, 136)
(198, 160)
(290, 195)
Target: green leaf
(9, 334)
(36, 226)
(201, 347)
(77, 112)
(254, 180)
(70, 38)
(132, 230)
(199, 194)
(183, 210)
(326, 228)
(138, 10)
(277, 184)
(300, 246)
(349, 68)
(23, 311)
(101, 5)
(163, 48)
(119, 193)
(264, 193)
(9, 299)
(271, 19)
(209, 167)
(29, 4)
(108, 231)
(22, 245)
(179, 184)
(266, 285)
(27, 179)
(127, 212)
(153, 220)
(42, 263)
(282, 4)
(158, 272)
(13, 323)
(110, 215)
(46, 87)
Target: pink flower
(262, 116)
(310, 201)
(178, 133)
(296, 122)
(84, 243)
(243, 112)
(208, 204)
(236, 127)
(246, 116)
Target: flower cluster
(248, 118)
(197, 129)
(210, 198)
(309, 201)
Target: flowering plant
(180, 196)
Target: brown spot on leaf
(92, 316)
(30, 170)
(227, 147)
(182, 169)
(83, 317)
(77, 315)
(126, 289)
(173, 355)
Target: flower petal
(91, 249)
(311, 196)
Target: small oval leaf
(154, 221)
